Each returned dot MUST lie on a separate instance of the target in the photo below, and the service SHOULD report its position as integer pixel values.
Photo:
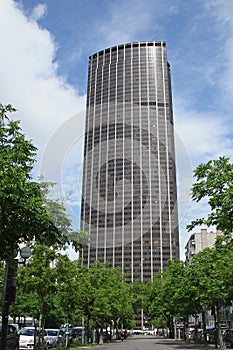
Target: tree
(214, 181)
(170, 297)
(48, 288)
(38, 283)
(23, 214)
(116, 294)
(210, 275)
(157, 310)
(1, 278)
(68, 288)
(108, 298)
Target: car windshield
(27, 331)
(52, 333)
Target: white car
(27, 337)
(55, 337)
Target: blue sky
(45, 47)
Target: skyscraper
(129, 197)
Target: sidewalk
(191, 345)
(181, 344)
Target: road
(149, 343)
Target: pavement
(151, 343)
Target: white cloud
(129, 21)
(221, 11)
(204, 134)
(201, 136)
(29, 78)
(39, 11)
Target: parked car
(228, 337)
(27, 336)
(55, 337)
(71, 334)
(12, 339)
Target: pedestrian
(122, 335)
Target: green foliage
(26, 212)
(183, 291)
(214, 181)
(36, 283)
(169, 295)
(108, 297)
(63, 288)
(48, 287)
(68, 288)
(211, 273)
(23, 216)
(55, 289)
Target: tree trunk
(67, 332)
(101, 341)
(116, 328)
(83, 329)
(204, 327)
(171, 326)
(9, 290)
(40, 343)
(220, 340)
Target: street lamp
(9, 290)
(25, 253)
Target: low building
(199, 241)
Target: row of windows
(134, 59)
(133, 252)
(121, 223)
(157, 44)
(112, 79)
(152, 146)
(128, 52)
(130, 101)
(121, 129)
(136, 95)
(142, 68)
(121, 169)
(124, 85)
(135, 63)
(128, 85)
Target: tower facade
(129, 196)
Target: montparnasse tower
(129, 193)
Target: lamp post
(9, 290)
(25, 253)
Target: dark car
(228, 337)
(12, 339)
(70, 335)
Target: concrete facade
(199, 241)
